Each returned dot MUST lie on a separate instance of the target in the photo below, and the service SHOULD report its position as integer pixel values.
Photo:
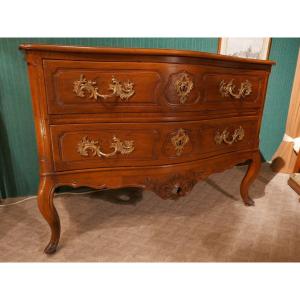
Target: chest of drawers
(155, 119)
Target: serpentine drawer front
(90, 87)
(154, 119)
(140, 144)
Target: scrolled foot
(51, 248)
(249, 202)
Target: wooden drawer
(118, 87)
(228, 88)
(122, 144)
(95, 87)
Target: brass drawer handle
(179, 141)
(84, 87)
(86, 146)
(237, 135)
(227, 89)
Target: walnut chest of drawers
(156, 119)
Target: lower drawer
(82, 146)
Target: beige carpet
(211, 224)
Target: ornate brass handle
(227, 89)
(84, 87)
(223, 136)
(86, 146)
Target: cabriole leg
(253, 169)
(48, 210)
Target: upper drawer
(95, 87)
(232, 87)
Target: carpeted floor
(211, 224)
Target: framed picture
(257, 48)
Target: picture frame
(255, 48)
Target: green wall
(285, 52)
(18, 154)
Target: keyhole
(183, 88)
(179, 189)
(176, 189)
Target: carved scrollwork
(87, 146)
(88, 88)
(227, 89)
(183, 86)
(179, 141)
(174, 187)
(223, 136)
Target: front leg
(253, 169)
(48, 210)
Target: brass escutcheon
(179, 141)
(183, 86)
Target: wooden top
(140, 51)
